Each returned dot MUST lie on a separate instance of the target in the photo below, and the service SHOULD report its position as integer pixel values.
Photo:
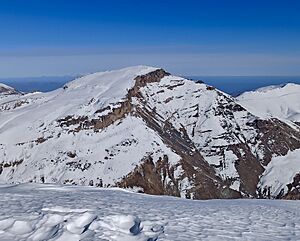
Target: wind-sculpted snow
(50, 212)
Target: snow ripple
(44, 212)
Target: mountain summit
(145, 129)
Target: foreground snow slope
(52, 212)
(274, 101)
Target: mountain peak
(124, 76)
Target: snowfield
(53, 212)
(274, 101)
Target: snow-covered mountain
(281, 101)
(282, 175)
(145, 129)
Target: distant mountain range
(43, 83)
(146, 129)
(233, 85)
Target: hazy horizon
(233, 85)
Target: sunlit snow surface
(51, 212)
(274, 101)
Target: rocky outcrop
(153, 177)
(293, 189)
(275, 137)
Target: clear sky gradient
(225, 37)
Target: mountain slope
(140, 128)
(282, 174)
(6, 90)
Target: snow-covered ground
(52, 212)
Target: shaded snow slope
(49, 212)
(274, 101)
(109, 155)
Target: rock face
(145, 129)
(293, 192)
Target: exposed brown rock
(210, 88)
(40, 140)
(151, 177)
(275, 137)
(71, 120)
(206, 184)
(248, 167)
(293, 189)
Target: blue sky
(225, 37)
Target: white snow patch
(276, 101)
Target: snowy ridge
(4, 86)
(275, 101)
(6, 91)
